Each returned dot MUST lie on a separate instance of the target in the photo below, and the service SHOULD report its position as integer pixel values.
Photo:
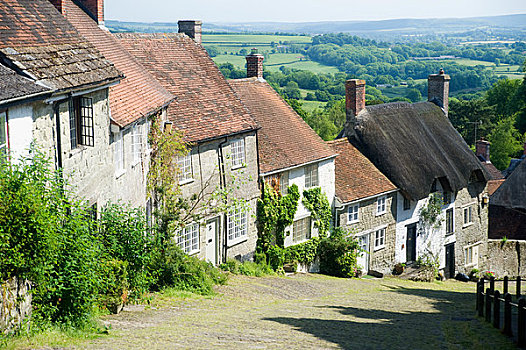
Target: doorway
(212, 227)
(449, 271)
(410, 243)
(363, 258)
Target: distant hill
(514, 23)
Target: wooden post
(521, 323)
(488, 305)
(518, 287)
(480, 298)
(492, 284)
(507, 315)
(496, 309)
(505, 285)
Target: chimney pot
(354, 97)
(438, 90)
(254, 64)
(191, 28)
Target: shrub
(304, 253)
(338, 254)
(276, 257)
(187, 272)
(247, 268)
(114, 291)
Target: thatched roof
(414, 145)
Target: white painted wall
(20, 129)
(326, 183)
(433, 240)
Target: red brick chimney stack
(59, 4)
(354, 97)
(255, 64)
(191, 28)
(438, 90)
(94, 8)
(482, 149)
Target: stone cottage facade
(366, 206)
(221, 137)
(290, 152)
(418, 149)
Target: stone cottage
(221, 136)
(290, 152)
(58, 97)
(133, 103)
(418, 149)
(366, 205)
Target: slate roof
(139, 94)
(512, 193)
(414, 144)
(356, 176)
(285, 139)
(206, 107)
(37, 40)
(13, 85)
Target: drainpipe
(222, 185)
(56, 111)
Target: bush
(338, 254)
(124, 234)
(247, 268)
(276, 257)
(114, 292)
(176, 269)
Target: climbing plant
(430, 213)
(275, 212)
(318, 204)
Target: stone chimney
(255, 64)
(438, 90)
(94, 8)
(192, 29)
(354, 97)
(482, 149)
(59, 4)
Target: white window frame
(353, 213)
(237, 153)
(118, 154)
(471, 255)
(305, 230)
(311, 175)
(381, 205)
(379, 238)
(467, 212)
(188, 238)
(4, 144)
(284, 183)
(237, 226)
(184, 164)
(452, 211)
(136, 136)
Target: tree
(292, 90)
(505, 96)
(468, 115)
(505, 143)
(413, 94)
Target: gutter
(67, 93)
(296, 166)
(25, 99)
(227, 135)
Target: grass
(309, 106)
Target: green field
(309, 106)
(230, 39)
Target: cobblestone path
(310, 312)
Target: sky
(303, 10)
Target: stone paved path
(310, 312)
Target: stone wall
(505, 258)
(15, 304)
(382, 259)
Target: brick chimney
(255, 64)
(354, 97)
(438, 90)
(59, 4)
(482, 149)
(94, 8)
(192, 29)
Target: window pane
(237, 224)
(237, 148)
(3, 134)
(87, 133)
(73, 124)
(311, 175)
(185, 167)
(188, 238)
(284, 183)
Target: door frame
(217, 221)
(409, 227)
(448, 268)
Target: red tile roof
(356, 176)
(38, 41)
(206, 107)
(285, 139)
(493, 185)
(138, 94)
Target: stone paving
(310, 312)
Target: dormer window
(81, 125)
